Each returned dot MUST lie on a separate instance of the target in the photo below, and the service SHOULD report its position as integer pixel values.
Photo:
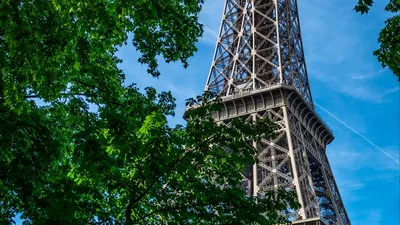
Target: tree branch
(101, 89)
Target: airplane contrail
(358, 133)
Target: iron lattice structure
(259, 71)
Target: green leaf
(97, 150)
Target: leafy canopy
(389, 38)
(98, 151)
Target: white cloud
(358, 156)
(339, 49)
(374, 216)
(181, 92)
(392, 90)
(211, 17)
(369, 75)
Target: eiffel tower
(259, 70)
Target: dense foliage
(389, 38)
(77, 146)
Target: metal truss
(259, 45)
(259, 71)
(295, 159)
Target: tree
(98, 151)
(389, 38)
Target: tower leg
(294, 164)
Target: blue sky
(345, 79)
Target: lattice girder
(295, 159)
(259, 70)
(259, 45)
